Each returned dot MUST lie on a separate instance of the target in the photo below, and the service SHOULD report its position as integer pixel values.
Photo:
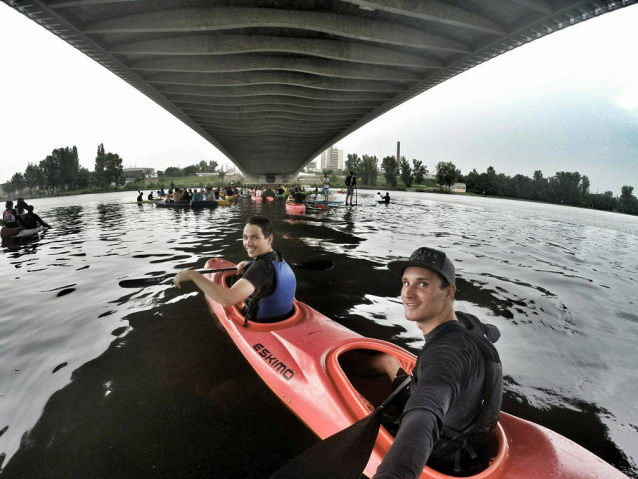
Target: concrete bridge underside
(272, 83)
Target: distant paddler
(32, 220)
(268, 285)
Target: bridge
(272, 83)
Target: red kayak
(308, 361)
(257, 198)
(270, 198)
(295, 208)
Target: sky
(565, 102)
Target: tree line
(201, 167)
(568, 188)
(61, 171)
(367, 170)
(565, 187)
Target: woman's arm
(226, 297)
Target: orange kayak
(306, 361)
(295, 208)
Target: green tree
(108, 168)
(69, 164)
(221, 174)
(389, 167)
(212, 166)
(202, 166)
(584, 186)
(18, 183)
(353, 163)
(50, 167)
(33, 176)
(84, 178)
(406, 172)
(190, 170)
(100, 170)
(173, 172)
(446, 173)
(628, 203)
(369, 170)
(419, 171)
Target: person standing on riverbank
(268, 285)
(457, 382)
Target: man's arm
(411, 448)
(443, 367)
(41, 221)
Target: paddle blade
(341, 456)
(319, 265)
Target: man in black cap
(457, 382)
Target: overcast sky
(566, 102)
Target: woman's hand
(182, 276)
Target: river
(103, 382)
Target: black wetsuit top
(448, 392)
(31, 220)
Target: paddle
(318, 265)
(343, 455)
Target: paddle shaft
(319, 265)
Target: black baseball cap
(427, 258)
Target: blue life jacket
(279, 304)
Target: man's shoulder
(454, 339)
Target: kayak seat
(295, 315)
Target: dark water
(97, 381)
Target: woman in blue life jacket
(268, 285)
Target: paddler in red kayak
(268, 285)
(457, 383)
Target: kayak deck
(305, 360)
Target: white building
(458, 188)
(332, 159)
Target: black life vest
(30, 221)
(454, 446)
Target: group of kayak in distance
(21, 220)
(446, 410)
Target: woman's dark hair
(264, 224)
(8, 204)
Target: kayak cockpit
(228, 279)
(364, 391)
